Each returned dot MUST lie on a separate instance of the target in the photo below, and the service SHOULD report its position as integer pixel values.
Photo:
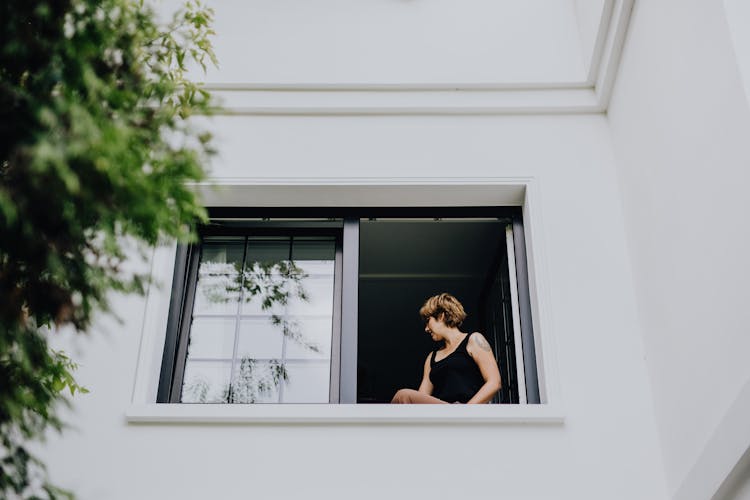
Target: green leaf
(95, 99)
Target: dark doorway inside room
(405, 261)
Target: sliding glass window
(269, 308)
(257, 323)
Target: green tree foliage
(96, 148)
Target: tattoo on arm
(482, 342)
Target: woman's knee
(403, 396)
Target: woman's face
(433, 327)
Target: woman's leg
(410, 396)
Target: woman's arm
(426, 386)
(480, 350)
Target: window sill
(342, 414)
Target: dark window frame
(342, 222)
(184, 287)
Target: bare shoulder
(478, 340)
(427, 361)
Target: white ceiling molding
(363, 192)
(614, 42)
(591, 95)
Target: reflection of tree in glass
(270, 283)
(255, 381)
(196, 391)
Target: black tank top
(457, 376)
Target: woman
(463, 370)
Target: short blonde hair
(445, 307)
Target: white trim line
(517, 342)
(550, 388)
(144, 323)
(341, 414)
(589, 95)
(153, 335)
(395, 100)
(365, 181)
(568, 109)
(601, 38)
(362, 192)
(330, 192)
(610, 63)
(391, 87)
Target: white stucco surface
(597, 345)
(395, 42)
(680, 125)
(638, 254)
(588, 17)
(738, 18)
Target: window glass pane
(257, 381)
(267, 251)
(225, 249)
(219, 276)
(314, 257)
(212, 338)
(268, 283)
(309, 337)
(307, 382)
(260, 338)
(315, 295)
(206, 381)
(275, 311)
(309, 248)
(314, 268)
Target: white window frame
(347, 193)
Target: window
(320, 306)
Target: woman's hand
(479, 349)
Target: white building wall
(680, 123)
(589, 17)
(737, 485)
(605, 447)
(406, 42)
(738, 16)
